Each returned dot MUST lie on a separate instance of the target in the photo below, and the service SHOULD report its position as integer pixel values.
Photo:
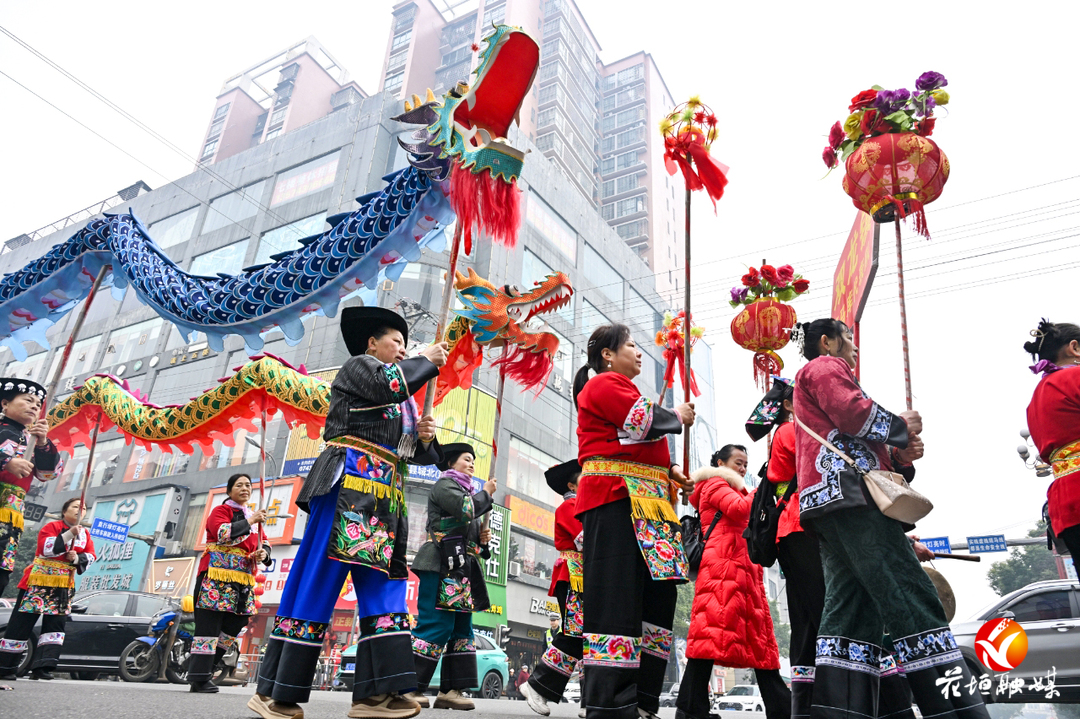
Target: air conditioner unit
(174, 547)
(514, 569)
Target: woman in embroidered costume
(632, 549)
(549, 680)
(21, 400)
(224, 589)
(63, 549)
(730, 622)
(1054, 422)
(355, 498)
(452, 583)
(872, 578)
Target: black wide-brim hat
(764, 416)
(451, 452)
(560, 476)
(10, 387)
(360, 323)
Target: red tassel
(526, 368)
(489, 205)
(919, 213)
(766, 364)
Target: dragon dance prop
(500, 317)
(672, 337)
(689, 131)
(262, 387)
(765, 323)
(892, 167)
(465, 131)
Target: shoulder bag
(889, 490)
(693, 543)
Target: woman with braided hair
(1054, 422)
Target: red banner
(855, 272)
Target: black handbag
(693, 543)
(765, 511)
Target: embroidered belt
(51, 573)
(226, 573)
(12, 501)
(649, 486)
(575, 566)
(1066, 460)
(373, 469)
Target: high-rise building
(291, 88)
(596, 122)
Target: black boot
(204, 687)
(954, 678)
(43, 674)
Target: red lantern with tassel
(765, 323)
(895, 175)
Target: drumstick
(965, 557)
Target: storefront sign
(495, 565)
(855, 271)
(529, 516)
(543, 605)
(496, 614)
(280, 500)
(173, 577)
(281, 560)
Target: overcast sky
(778, 75)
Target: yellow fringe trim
(577, 583)
(226, 549)
(657, 510)
(368, 486)
(231, 575)
(11, 516)
(66, 580)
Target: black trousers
(5, 575)
(800, 559)
(215, 633)
(1071, 537)
(20, 627)
(555, 667)
(693, 699)
(628, 618)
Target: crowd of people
(869, 635)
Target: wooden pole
(858, 363)
(444, 311)
(90, 463)
(54, 381)
(903, 315)
(686, 340)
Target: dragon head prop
(495, 317)
(464, 136)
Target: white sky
(778, 75)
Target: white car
(572, 693)
(741, 698)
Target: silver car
(1049, 613)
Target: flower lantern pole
(689, 131)
(903, 315)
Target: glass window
(401, 39)
(602, 275)
(630, 206)
(228, 259)
(646, 381)
(537, 558)
(278, 117)
(483, 643)
(132, 341)
(307, 178)
(106, 604)
(1043, 606)
(83, 358)
(194, 529)
(526, 466)
(591, 318)
(208, 150)
(106, 460)
(288, 237)
(234, 207)
(417, 508)
(148, 606)
(30, 368)
(222, 110)
(175, 229)
(548, 223)
(534, 270)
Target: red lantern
(259, 590)
(763, 327)
(896, 174)
(258, 605)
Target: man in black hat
(20, 400)
(354, 495)
(548, 680)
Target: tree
(1032, 563)
(782, 631)
(23, 557)
(683, 605)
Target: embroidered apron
(229, 581)
(49, 587)
(12, 504)
(656, 527)
(370, 506)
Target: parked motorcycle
(168, 643)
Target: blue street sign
(112, 531)
(988, 543)
(937, 544)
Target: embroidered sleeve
(377, 384)
(639, 419)
(227, 526)
(54, 547)
(579, 540)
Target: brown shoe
(418, 697)
(267, 708)
(384, 706)
(454, 699)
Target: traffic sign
(937, 544)
(988, 543)
(112, 531)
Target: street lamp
(1042, 469)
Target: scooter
(166, 650)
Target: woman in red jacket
(64, 548)
(632, 548)
(730, 623)
(1054, 423)
(224, 589)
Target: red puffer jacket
(730, 621)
